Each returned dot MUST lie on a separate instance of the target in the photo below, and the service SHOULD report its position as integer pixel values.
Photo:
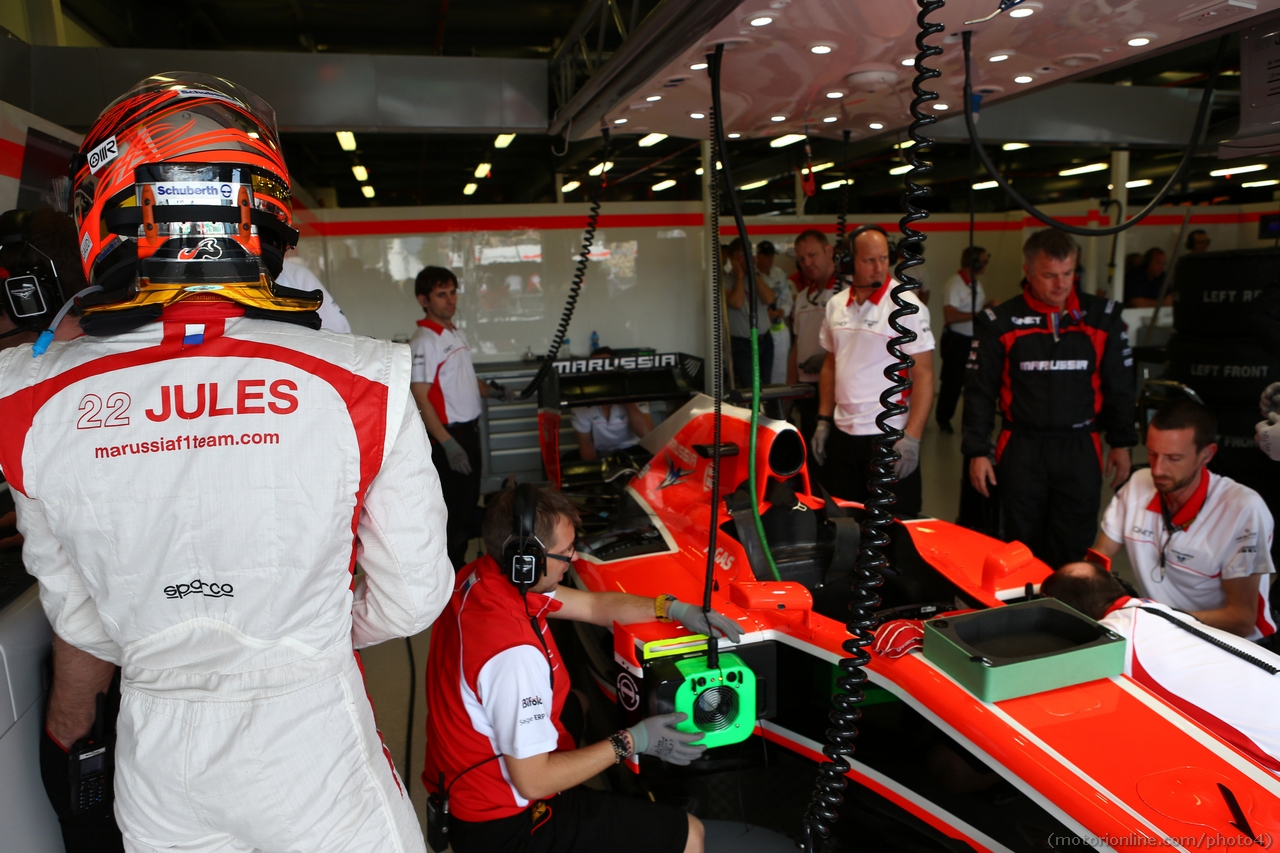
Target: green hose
(755, 422)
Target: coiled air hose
(717, 386)
(579, 274)
(713, 63)
(842, 216)
(1202, 116)
(828, 793)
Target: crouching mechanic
(1227, 684)
(196, 478)
(1197, 541)
(40, 273)
(500, 750)
(1268, 429)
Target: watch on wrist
(621, 744)
(661, 606)
(827, 418)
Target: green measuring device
(720, 703)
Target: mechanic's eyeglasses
(565, 558)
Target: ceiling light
(1014, 146)
(1252, 184)
(833, 184)
(909, 62)
(1237, 170)
(830, 119)
(1139, 41)
(698, 171)
(598, 168)
(754, 185)
(876, 125)
(942, 107)
(361, 173)
(999, 57)
(697, 115)
(482, 171)
(697, 66)
(900, 170)
(821, 48)
(906, 143)
(735, 136)
(821, 167)
(663, 185)
(652, 139)
(347, 140)
(985, 185)
(503, 140)
(788, 139)
(1023, 78)
(1133, 185)
(567, 188)
(760, 20)
(1022, 12)
(253, 134)
(835, 94)
(777, 118)
(1084, 170)
(619, 121)
(653, 98)
(469, 189)
(367, 190)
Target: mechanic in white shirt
(964, 292)
(602, 430)
(447, 392)
(1226, 684)
(814, 282)
(294, 273)
(1197, 542)
(854, 335)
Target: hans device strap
(524, 557)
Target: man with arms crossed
(500, 745)
(1198, 542)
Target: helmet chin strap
(46, 337)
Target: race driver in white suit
(197, 478)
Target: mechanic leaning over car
(501, 740)
(41, 271)
(1197, 541)
(1057, 365)
(448, 395)
(853, 334)
(196, 478)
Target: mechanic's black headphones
(524, 557)
(32, 295)
(863, 229)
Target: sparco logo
(199, 587)
(530, 701)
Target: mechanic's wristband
(827, 418)
(662, 607)
(621, 743)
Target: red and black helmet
(180, 188)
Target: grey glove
(1269, 436)
(1270, 401)
(500, 393)
(909, 449)
(818, 446)
(695, 620)
(813, 364)
(657, 736)
(458, 460)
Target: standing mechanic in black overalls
(1059, 366)
(447, 392)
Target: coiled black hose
(579, 273)
(717, 382)
(1202, 116)
(842, 216)
(828, 793)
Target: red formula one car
(1104, 763)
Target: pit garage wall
(644, 285)
(32, 153)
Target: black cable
(717, 383)
(828, 793)
(413, 693)
(1201, 117)
(1209, 638)
(579, 273)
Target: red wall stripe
(11, 159)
